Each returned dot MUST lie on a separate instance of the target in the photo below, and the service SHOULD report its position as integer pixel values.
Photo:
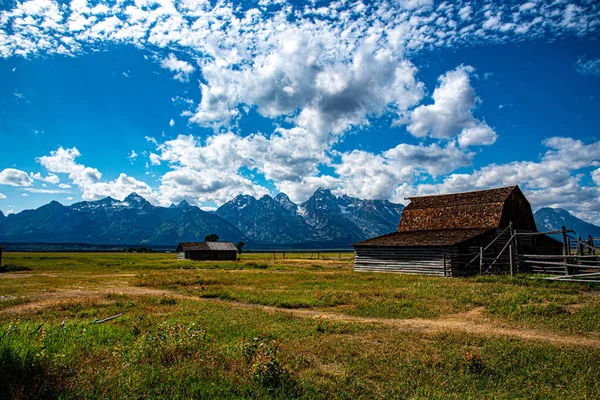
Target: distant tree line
(138, 250)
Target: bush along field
(302, 327)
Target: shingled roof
(441, 237)
(471, 210)
(206, 246)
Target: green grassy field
(294, 328)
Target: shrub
(473, 362)
(261, 354)
(257, 266)
(14, 268)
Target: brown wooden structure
(457, 235)
(203, 251)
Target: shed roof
(206, 246)
(470, 210)
(427, 238)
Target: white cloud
(596, 176)
(15, 177)
(477, 135)
(44, 191)
(452, 112)
(326, 91)
(132, 156)
(51, 178)
(89, 180)
(2, 196)
(553, 181)
(172, 122)
(210, 185)
(376, 176)
(300, 191)
(587, 67)
(465, 12)
(229, 35)
(182, 69)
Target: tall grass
(176, 341)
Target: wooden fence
(580, 261)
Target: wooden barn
(457, 235)
(203, 251)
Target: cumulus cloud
(15, 177)
(451, 113)
(376, 176)
(2, 196)
(182, 69)
(89, 180)
(205, 186)
(302, 73)
(49, 178)
(555, 180)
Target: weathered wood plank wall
(410, 260)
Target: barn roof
(471, 210)
(206, 246)
(440, 237)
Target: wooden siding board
(428, 261)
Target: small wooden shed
(442, 234)
(217, 251)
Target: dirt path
(471, 322)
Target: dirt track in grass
(473, 321)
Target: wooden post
(565, 244)
(481, 260)
(566, 247)
(445, 274)
(284, 255)
(510, 255)
(515, 236)
(579, 246)
(274, 257)
(590, 243)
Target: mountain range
(554, 219)
(323, 221)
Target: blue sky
(203, 100)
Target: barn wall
(211, 255)
(198, 255)
(225, 255)
(410, 260)
(518, 211)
